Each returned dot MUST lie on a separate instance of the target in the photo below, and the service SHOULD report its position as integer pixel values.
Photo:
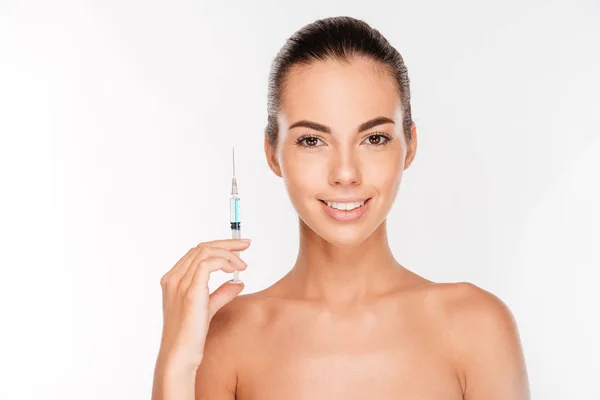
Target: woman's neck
(342, 275)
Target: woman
(347, 321)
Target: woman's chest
(359, 360)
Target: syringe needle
(233, 158)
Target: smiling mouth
(345, 206)
(346, 212)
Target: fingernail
(246, 240)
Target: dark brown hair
(337, 38)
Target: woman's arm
(216, 377)
(170, 383)
(188, 309)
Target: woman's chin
(341, 236)
(345, 242)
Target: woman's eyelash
(375, 134)
(303, 138)
(380, 134)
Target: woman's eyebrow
(325, 129)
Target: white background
(117, 120)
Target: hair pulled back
(338, 38)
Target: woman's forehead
(341, 98)
(332, 88)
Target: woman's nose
(345, 169)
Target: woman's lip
(345, 201)
(345, 216)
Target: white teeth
(345, 206)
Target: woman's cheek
(304, 178)
(385, 178)
(304, 182)
(393, 185)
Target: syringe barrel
(234, 211)
(234, 217)
(236, 228)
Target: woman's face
(357, 161)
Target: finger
(229, 244)
(200, 252)
(212, 263)
(223, 295)
(166, 277)
(197, 253)
(207, 252)
(167, 283)
(204, 250)
(228, 255)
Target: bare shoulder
(483, 340)
(472, 313)
(216, 377)
(470, 304)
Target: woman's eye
(377, 140)
(372, 140)
(310, 141)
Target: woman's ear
(412, 146)
(271, 157)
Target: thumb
(223, 295)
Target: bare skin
(349, 321)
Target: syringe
(234, 216)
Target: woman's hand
(187, 306)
